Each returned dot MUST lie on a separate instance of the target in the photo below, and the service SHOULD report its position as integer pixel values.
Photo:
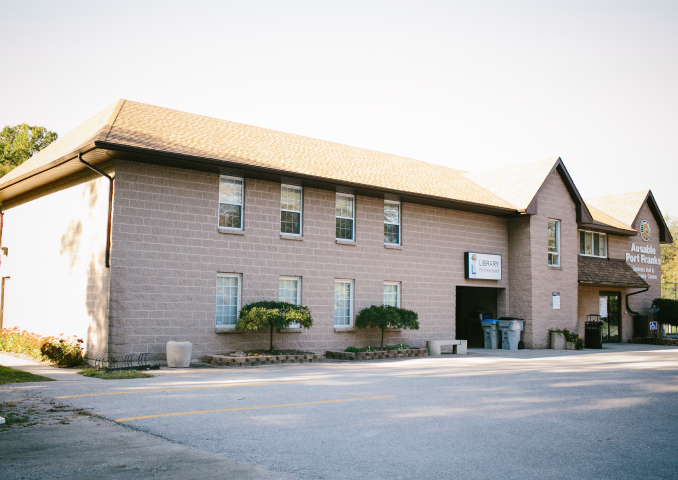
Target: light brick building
(208, 215)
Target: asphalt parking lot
(526, 414)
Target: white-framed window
(289, 290)
(391, 222)
(343, 303)
(231, 195)
(345, 215)
(392, 294)
(228, 299)
(554, 242)
(290, 210)
(592, 244)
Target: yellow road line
(250, 408)
(177, 389)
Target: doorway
(472, 303)
(609, 304)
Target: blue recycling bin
(491, 333)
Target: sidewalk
(36, 368)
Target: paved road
(528, 414)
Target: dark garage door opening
(472, 302)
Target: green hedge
(667, 310)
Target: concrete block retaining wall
(420, 352)
(249, 361)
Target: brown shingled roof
(602, 217)
(166, 130)
(602, 271)
(517, 184)
(624, 207)
(96, 128)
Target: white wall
(58, 281)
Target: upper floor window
(345, 212)
(228, 299)
(592, 243)
(231, 196)
(391, 223)
(290, 210)
(554, 242)
(392, 294)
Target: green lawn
(9, 375)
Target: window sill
(393, 247)
(555, 267)
(297, 238)
(231, 231)
(225, 329)
(290, 330)
(345, 242)
(345, 329)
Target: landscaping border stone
(381, 354)
(253, 360)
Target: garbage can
(491, 333)
(510, 329)
(593, 332)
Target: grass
(10, 375)
(116, 375)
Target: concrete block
(179, 354)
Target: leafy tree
(386, 316)
(667, 310)
(260, 315)
(669, 253)
(19, 143)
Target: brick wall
(554, 203)
(520, 274)
(56, 238)
(167, 252)
(618, 246)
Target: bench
(458, 346)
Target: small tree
(19, 143)
(386, 316)
(260, 315)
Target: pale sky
(470, 85)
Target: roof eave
(664, 232)
(582, 211)
(601, 227)
(612, 284)
(145, 155)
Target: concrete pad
(68, 444)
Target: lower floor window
(343, 303)
(228, 298)
(289, 290)
(392, 294)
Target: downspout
(627, 301)
(110, 208)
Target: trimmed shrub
(386, 316)
(667, 310)
(65, 352)
(260, 315)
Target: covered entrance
(609, 306)
(474, 304)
